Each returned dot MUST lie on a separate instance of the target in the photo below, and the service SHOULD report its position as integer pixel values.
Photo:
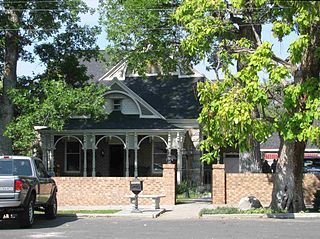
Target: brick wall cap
(218, 166)
(169, 166)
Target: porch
(114, 153)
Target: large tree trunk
(287, 190)
(9, 79)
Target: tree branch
(276, 59)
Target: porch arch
(152, 136)
(68, 136)
(110, 136)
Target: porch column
(93, 146)
(179, 157)
(179, 166)
(50, 151)
(136, 155)
(169, 158)
(84, 147)
(127, 155)
(44, 148)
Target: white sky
(25, 68)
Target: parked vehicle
(25, 186)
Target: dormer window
(116, 104)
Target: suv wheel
(51, 210)
(26, 217)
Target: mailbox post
(136, 186)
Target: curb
(123, 214)
(265, 216)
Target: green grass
(233, 210)
(111, 211)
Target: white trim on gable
(119, 71)
(136, 98)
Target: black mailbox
(136, 186)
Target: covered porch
(113, 152)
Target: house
(151, 120)
(269, 151)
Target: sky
(280, 48)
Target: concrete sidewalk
(187, 210)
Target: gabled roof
(135, 97)
(173, 96)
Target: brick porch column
(169, 179)
(218, 184)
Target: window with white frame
(116, 104)
(159, 155)
(72, 156)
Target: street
(73, 227)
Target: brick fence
(229, 188)
(110, 191)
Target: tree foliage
(142, 32)
(50, 103)
(266, 94)
(50, 31)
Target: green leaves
(297, 48)
(50, 103)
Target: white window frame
(66, 158)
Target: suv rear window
(15, 167)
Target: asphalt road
(78, 228)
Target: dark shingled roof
(274, 142)
(172, 97)
(115, 121)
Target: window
(159, 155)
(22, 167)
(117, 105)
(72, 162)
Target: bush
(220, 210)
(183, 187)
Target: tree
(287, 96)
(52, 29)
(145, 32)
(267, 94)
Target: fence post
(218, 184)
(169, 177)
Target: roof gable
(145, 110)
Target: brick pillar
(218, 184)
(169, 179)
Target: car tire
(26, 217)
(51, 210)
(1, 215)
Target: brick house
(151, 121)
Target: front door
(116, 160)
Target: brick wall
(106, 191)
(240, 185)
(234, 186)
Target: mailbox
(136, 186)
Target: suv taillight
(18, 185)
